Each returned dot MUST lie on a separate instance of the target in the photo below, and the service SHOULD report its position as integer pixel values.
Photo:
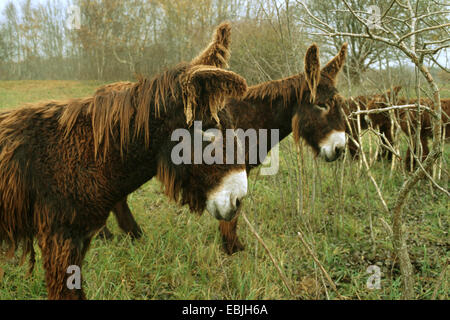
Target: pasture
(334, 205)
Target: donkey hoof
(105, 234)
(136, 234)
(231, 247)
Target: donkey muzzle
(333, 146)
(224, 201)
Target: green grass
(15, 93)
(180, 256)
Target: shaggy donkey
(408, 122)
(65, 164)
(354, 104)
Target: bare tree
(363, 53)
(411, 33)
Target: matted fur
(116, 86)
(354, 104)
(194, 84)
(288, 89)
(217, 53)
(408, 121)
(312, 70)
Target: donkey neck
(269, 105)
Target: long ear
(334, 66)
(312, 69)
(217, 53)
(205, 88)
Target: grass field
(334, 205)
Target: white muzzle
(333, 146)
(224, 200)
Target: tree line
(116, 39)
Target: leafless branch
(274, 261)
(406, 106)
(327, 276)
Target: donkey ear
(217, 53)
(205, 88)
(334, 66)
(312, 69)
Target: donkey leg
(105, 233)
(230, 240)
(126, 220)
(59, 252)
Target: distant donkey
(407, 120)
(354, 104)
(307, 104)
(65, 164)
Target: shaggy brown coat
(354, 104)
(65, 164)
(408, 122)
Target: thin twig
(439, 281)
(325, 273)
(381, 110)
(283, 278)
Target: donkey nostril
(338, 151)
(235, 203)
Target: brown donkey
(408, 122)
(307, 104)
(361, 102)
(66, 164)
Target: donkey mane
(282, 88)
(127, 108)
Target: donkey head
(318, 117)
(203, 87)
